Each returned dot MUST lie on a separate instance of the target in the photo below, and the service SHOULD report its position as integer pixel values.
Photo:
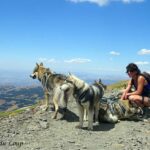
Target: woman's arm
(128, 88)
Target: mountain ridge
(17, 97)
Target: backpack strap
(146, 76)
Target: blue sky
(86, 36)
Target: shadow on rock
(146, 112)
(104, 127)
(70, 116)
(101, 127)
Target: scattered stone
(43, 124)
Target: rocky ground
(36, 130)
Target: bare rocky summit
(35, 129)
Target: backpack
(146, 76)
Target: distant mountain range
(12, 97)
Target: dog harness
(86, 95)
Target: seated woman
(141, 93)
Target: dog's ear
(37, 64)
(41, 64)
(100, 81)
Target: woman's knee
(146, 101)
(131, 98)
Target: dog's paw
(90, 128)
(78, 127)
(96, 123)
(85, 119)
(54, 117)
(44, 107)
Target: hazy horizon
(22, 78)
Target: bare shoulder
(141, 78)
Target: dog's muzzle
(33, 76)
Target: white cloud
(142, 62)
(130, 1)
(99, 2)
(42, 59)
(78, 60)
(114, 53)
(45, 60)
(75, 60)
(144, 52)
(105, 2)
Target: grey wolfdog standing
(87, 98)
(51, 83)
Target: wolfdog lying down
(87, 97)
(51, 83)
(114, 111)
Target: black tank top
(146, 88)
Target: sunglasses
(130, 71)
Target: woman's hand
(126, 91)
(124, 95)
